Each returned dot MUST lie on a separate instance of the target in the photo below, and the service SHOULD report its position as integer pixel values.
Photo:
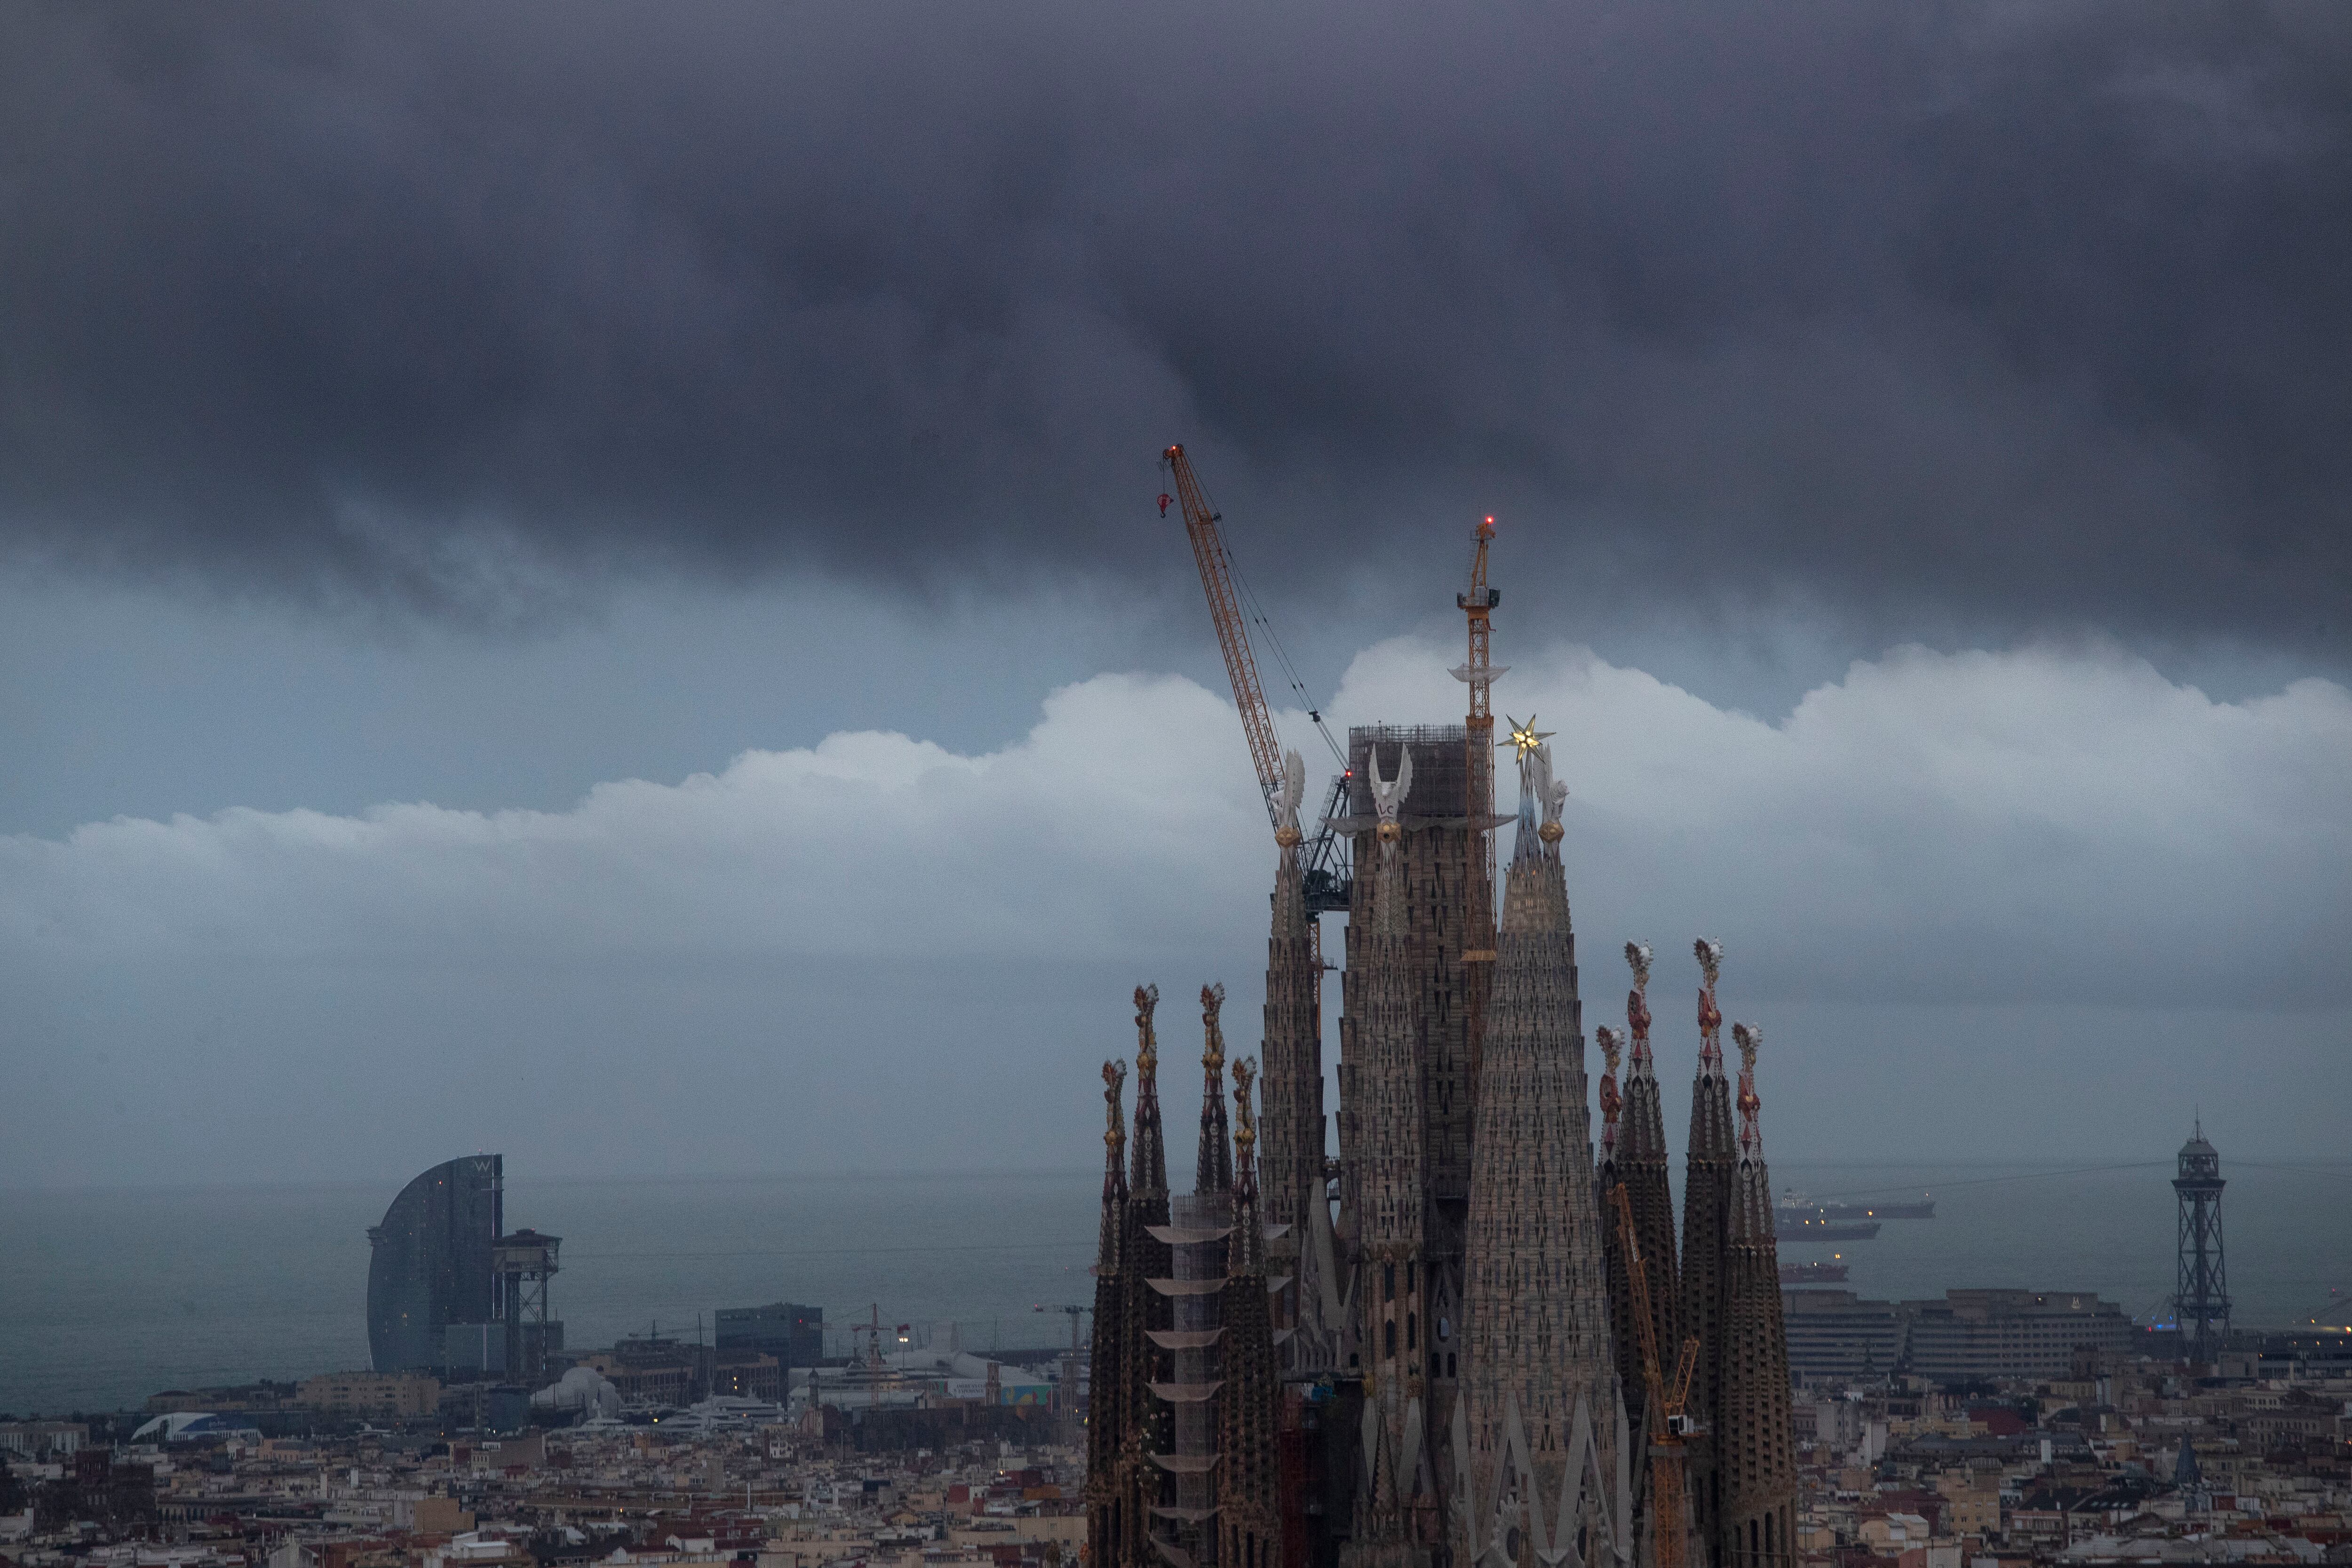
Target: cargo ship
(1799, 1218)
(1806, 1225)
(1924, 1209)
(1832, 1273)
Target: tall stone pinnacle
(1213, 1166)
(1291, 1131)
(1108, 1417)
(1755, 1447)
(1395, 1496)
(1537, 1447)
(1709, 1177)
(1249, 1479)
(1150, 1430)
(1642, 1167)
(1149, 1174)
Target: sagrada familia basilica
(1477, 1336)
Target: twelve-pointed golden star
(1526, 737)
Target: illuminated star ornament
(1526, 737)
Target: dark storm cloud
(2019, 316)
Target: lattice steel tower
(2201, 1302)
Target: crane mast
(1232, 632)
(1479, 672)
(1664, 1412)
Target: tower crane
(1663, 1413)
(1479, 672)
(1323, 874)
(1066, 1395)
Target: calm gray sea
(107, 1297)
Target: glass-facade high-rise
(431, 1264)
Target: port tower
(524, 1263)
(2200, 1301)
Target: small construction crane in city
(1065, 1396)
(1663, 1413)
(1323, 872)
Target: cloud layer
(2003, 317)
(2049, 860)
(2042, 825)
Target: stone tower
(1641, 1166)
(1625, 1345)
(1198, 1236)
(1213, 1166)
(1249, 1473)
(1710, 1174)
(1395, 1512)
(1290, 1142)
(1755, 1441)
(1148, 1314)
(1108, 1491)
(1539, 1449)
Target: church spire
(1114, 1193)
(1612, 1046)
(1213, 1166)
(1107, 1424)
(1643, 1166)
(1249, 1479)
(1151, 1169)
(1394, 1497)
(1536, 1427)
(1755, 1442)
(1145, 1313)
(1290, 1142)
(1710, 1177)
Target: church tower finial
(1114, 1193)
(1213, 1169)
(1249, 1240)
(1611, 1048)
(1749, 1037)
(1150, 1163)
(1709, 955)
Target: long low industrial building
(1969, 1336)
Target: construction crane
(1066, 1395)
(1077, 1314)
(1479, 672)
(1663, 1415)
(1322, 874)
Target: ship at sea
(1799, 1218)
(1924, 1209)
(1828, 1273)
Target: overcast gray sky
(585, 579)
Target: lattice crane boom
(1233, 630)
(1664, 1415)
